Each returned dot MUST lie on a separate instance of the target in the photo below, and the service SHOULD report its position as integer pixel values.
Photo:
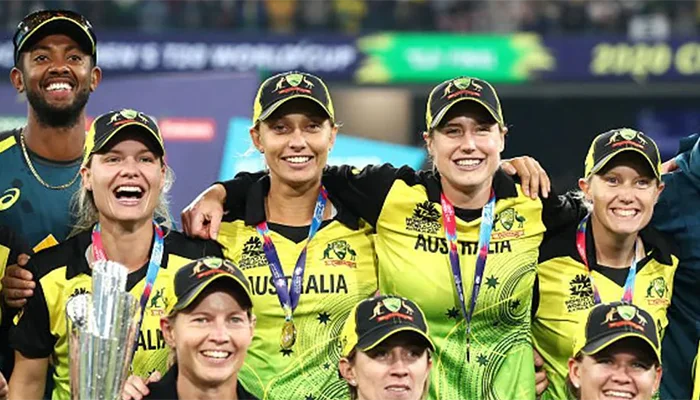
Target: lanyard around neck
(154, 262)
(289, 297)
(628, 293)
(448, 218)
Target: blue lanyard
(289, 297)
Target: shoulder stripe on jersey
(7, 143)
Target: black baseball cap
(611, 143)
(40, 24)
(374, 320)
(611, 322)
(286, 86)
(463, 88)
(193, 278)
(106, 126)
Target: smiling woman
(209, 331)
(123, 217)
(466, 217)
(609, 255)
(616, 355)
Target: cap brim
(269, 110)
(144, 127)
(376, 336)
(62, 25)
(441, 114)
(192, 295)
(602, 163)
(599, 344)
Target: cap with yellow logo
(453, 91)
(286, 86)
(611, 143)
(193, 278)
(609, 323)
(374, 320)
(105, 127)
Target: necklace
(36, 174)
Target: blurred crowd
(635, 17)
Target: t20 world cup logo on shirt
(425, 219)
(252, 255)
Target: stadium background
(565, 70)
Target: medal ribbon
(98, 254)
(628, 293)
(289, 297)
(448, 218)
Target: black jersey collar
(503, 186)
(166, 388)
(255, 205)
(83, 240)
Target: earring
(353, 383)
(576, 385)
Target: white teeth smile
(624, 213)
(129, 191)
(298, 159)
(615, 393)
(468, 162)
(58, 86)
(216, 354)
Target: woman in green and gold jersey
(610, 255)
(436, 230)
(123, 217)
(308, 258)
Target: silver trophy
(101, 334)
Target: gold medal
(289, 335)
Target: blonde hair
(87, 215)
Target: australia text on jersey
(433, 244)
(312, 283)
